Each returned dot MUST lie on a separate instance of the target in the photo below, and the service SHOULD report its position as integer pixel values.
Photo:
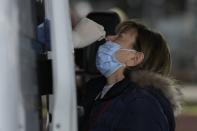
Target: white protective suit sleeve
(86, 32)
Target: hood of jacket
(168, 86)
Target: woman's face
(130, 57)
(128, 38)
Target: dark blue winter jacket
(144, 103)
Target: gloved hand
(86, 32)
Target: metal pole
(64, 114)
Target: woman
(136, 93)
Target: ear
(139, 57)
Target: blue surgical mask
(106, 61)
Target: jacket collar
(145, 79)
(117, 89)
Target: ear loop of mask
(131, 50)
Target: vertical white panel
(64, 114)
(11, 109)
(47, 7)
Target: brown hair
(156, 52)
(128, 25)
(153, 45)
